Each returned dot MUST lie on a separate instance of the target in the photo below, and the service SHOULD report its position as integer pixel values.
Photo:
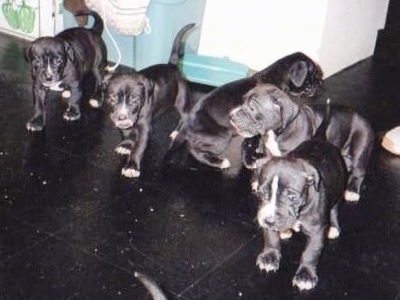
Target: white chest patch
(272, 145)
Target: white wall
(335, 33)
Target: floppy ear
(313, 178)
(69, 52)
(28, 53)
(149, 89)
(298, 73)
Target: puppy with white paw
(300, 192)
(61, 63)
(135, 98)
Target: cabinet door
(20, 18)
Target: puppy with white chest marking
(62, 63)
(207, 131)
(267, 108)
(135, 99)
(300, 192)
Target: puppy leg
(139, 138)
(210, 159)
(334, 229)
(98, 94)
(306, 275)
(269, 259)
(73, 112)
(37, 122)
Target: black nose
(48, 77)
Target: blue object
(210, 70)
(166, 17)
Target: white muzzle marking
(272, 145)
(267, 212)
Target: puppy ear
(298, 73)
(28, 53)
(69, 51)
(149, 89)
(313, 178)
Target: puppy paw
(66, 94)
(34, 127)
(254, 186)
(71, 116)
(305, 278)
(130, 172)
(351, 196)
(268, 261)
(333, 233)
(285, 235)
(124, 148)
(225, 164)
(94, 103)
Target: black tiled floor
(72, 228)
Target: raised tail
(176, 46)
(321, 130)
(154, 290)
(98, 24)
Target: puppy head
(264, 108)
(48, 57)
(304, 78)
(128, 95)
(286, 187)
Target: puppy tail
(321, 130)
(176, 46)
(154, 290)
(98, 25)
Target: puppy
(267, 108)
(300, 192)
(61, 63)
(207, 130)
(135, 98)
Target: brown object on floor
(74, 6)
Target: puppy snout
(122, 117)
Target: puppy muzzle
(243, 123)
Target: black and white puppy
(267, 108)
(208, 131)
(300, 192)
(61, 63)
(136, 97)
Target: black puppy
(300, 192)
(266, 109)
(136, 97)
(208, 132)
(61, 63)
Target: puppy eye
(134, 100)
(57, 61)
(113, 100)
(273, 100)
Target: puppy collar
(282, 128)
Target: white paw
(173, 135)
(254, 186)
(284, 235)
(130, 173)
(304, 285)
(66, 94)
(351, 196)
(122, 151)
(333, 233)
(225, 164)
(94, 103)
(267, 263)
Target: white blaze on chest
(267, 212)
(272, 145)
